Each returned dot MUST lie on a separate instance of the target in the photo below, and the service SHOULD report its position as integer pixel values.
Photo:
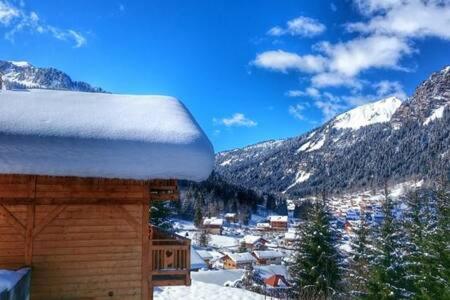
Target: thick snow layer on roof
(251, 239)
(212, 222)
(66, 133)
(278, 218)
(241, 257)
(267, 254)
(368, 114)
(196, 261)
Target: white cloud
(283, 61)
(310, 91)
(378, 51)
(297, 111)
(17, 20)
(301, 26)
(7, 13)
(236, 120)
(408, 18)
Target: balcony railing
(170, 258)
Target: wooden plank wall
(84, 238)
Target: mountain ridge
(24, 75)
(402, 140)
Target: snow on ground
(218, 277)
(437, 114)
(204, 291)
(300, 177)
(317, 145)
(372, 113)
(218, 241)
(66, 133)
(20, 64)
(183, 225)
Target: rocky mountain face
(364, 147)
(20, 75)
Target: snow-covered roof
(212, 222)
(65, 133)
(197, 261)
(263, 225)
(267, 254)
(204, 254)
(278, 218)
(251, 239)
(290, 235)
(241, 257)
(230, 215)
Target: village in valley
(256, 257)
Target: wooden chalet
(75, 191)
(278, 223)
(238, 260)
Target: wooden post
(145, 255)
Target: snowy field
(204, 291)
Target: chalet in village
(77, 174)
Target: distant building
(290, 238)
(276, 281)
(268, 257)
(238, 260)
(278, 222)
(206, 256)
(254, 242)
(263, 226)
(231, 217)
(213, 225)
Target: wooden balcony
(170, 258)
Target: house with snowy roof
(78, 172)
(231, 218)
(254, 242)
(278, 222)
(213, 225)
(238, 260)
(268, 257)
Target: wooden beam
(48, 219)
(128, 218)
(146, 292)
(12, 220)
(31, 212)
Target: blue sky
(248, 70)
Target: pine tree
(387, 276)
(242, 247)
(437, 249)
(160, 214)
(315, 270)
(359, 259)
(198, 216)
(202, 238)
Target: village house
(238, 260)
(213, 225)
(254, 242)
(278, 222)
(268, 257)
(231, 218)
(263, 226)
(290, 238)
(206, 256)
(78, 172)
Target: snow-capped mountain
(359, 148)
(369, 114)
(22, 74)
